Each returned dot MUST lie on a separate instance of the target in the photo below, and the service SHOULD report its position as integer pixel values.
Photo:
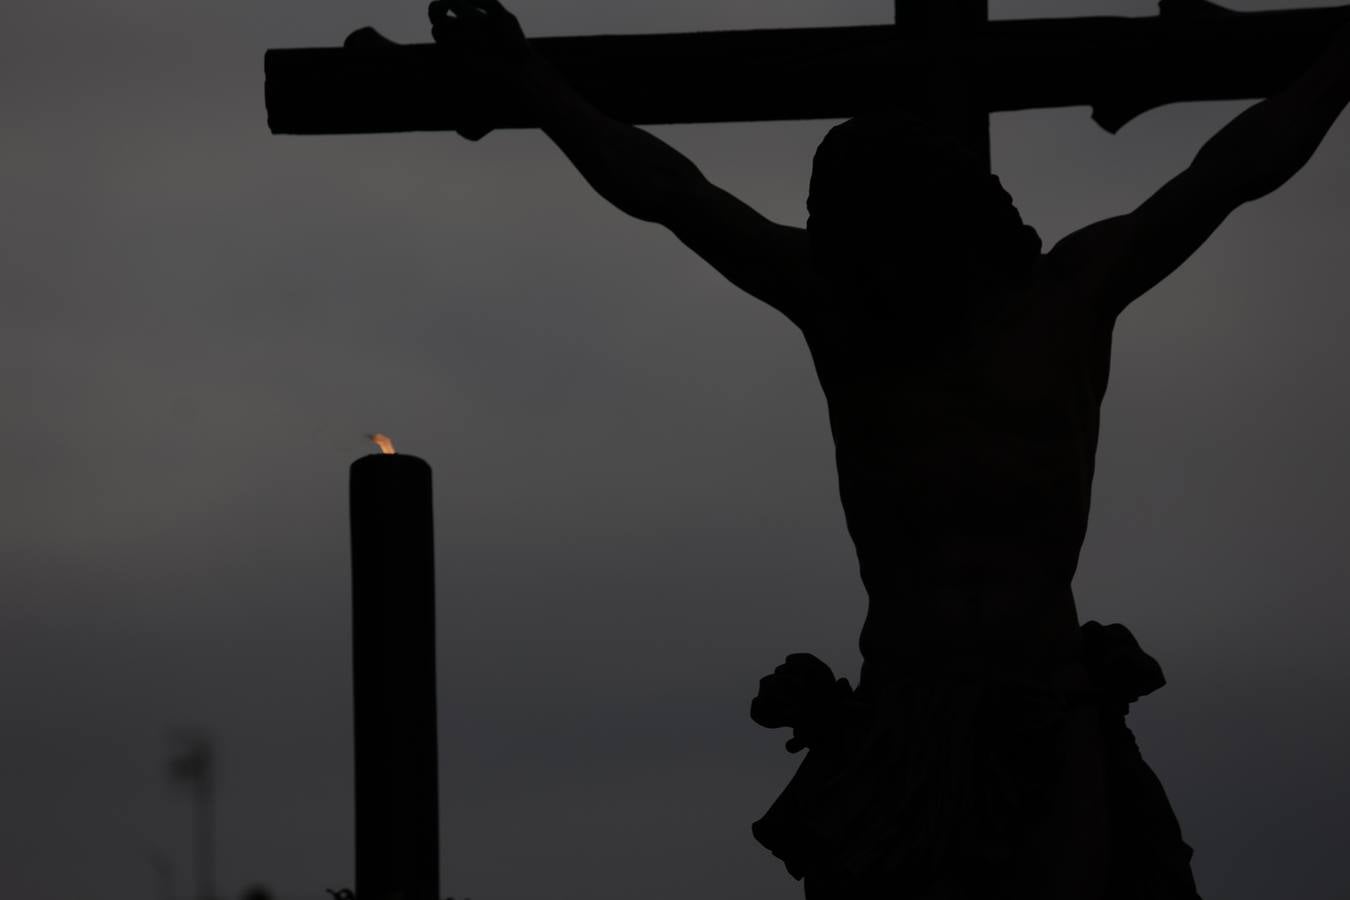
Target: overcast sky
(636, 507)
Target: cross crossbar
(1120, 66)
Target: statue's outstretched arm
(632, 169)
(1256, 153)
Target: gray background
(636, 506)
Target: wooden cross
(942, 56)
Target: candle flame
(383, 442)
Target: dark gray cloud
(636, 509)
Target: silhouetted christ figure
(984, 752)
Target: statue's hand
(485, 39)
(483, 31)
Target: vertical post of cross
(947, 27)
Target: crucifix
(984, 750)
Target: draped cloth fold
(941, 765)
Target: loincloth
(943, 767)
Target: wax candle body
(394, 679)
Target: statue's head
(895, 206)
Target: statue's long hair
(891, 184)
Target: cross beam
(1119, 66)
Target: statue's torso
(965, 466)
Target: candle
(394, 677)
